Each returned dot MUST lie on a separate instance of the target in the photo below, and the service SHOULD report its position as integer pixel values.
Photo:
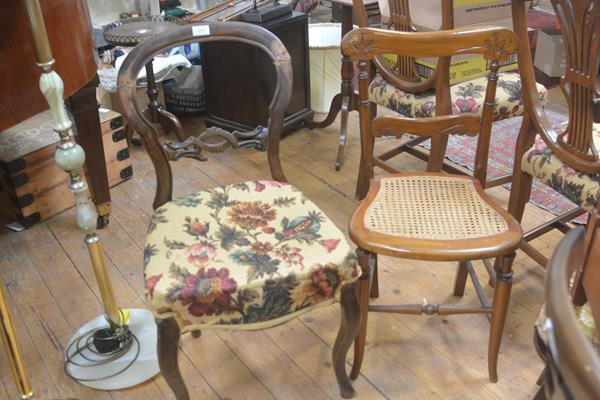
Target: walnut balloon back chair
(245, 256)
(563, 157)
(399, 88)
(566, 333)
(431, 216)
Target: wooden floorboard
(52, 292)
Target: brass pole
(71, 157)
(9, 339)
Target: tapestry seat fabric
(466, 97)
(243, 256)
(582, 189)
(584, 318)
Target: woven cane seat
(440, 216)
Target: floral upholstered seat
(584, 318)
(466, 97)
(252, 255)
(582, 189)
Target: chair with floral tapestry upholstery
(563, 157)
(566, 332)
(245, 256)
(398, 87)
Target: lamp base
(267, 13)
(109, 366)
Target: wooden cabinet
(240, 79)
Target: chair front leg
(363, 299)
(499, 311)
(348, 330)
(167, 344)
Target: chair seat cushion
(584, 318)
(466, 97)
(248, 255)
(581, 188)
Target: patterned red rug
(461, 150)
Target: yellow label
(125, 315)
(466, 69)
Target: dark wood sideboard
(240, 80)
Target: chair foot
(499, 311)
(461, 279)
(168, 340)
(348, 330)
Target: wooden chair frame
(403, 76)
(364, 45)
(582, 89)
(168, 329)
(573, 364)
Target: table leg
(157, 112)
(343, 101)
(84, 108)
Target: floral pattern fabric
(466, 97)
(581, 188)
(248, 255)
(584, 318)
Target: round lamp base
(133, 363)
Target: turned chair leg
(374, 278)
(348, 329)
(461, 279)
(499, 311)
(363, 300)
(168, 340)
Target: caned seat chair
(397, 86)
(431, 216)
(564, 157)
(566, 334)
(245, 256)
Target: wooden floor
(53, 292)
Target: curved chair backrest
(403, 74)
(202, 33)
(365, 44)
(579, 21)
(573, 279)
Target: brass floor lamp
(118, 349)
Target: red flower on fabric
(466, 105)
(323, 281)
(251, 214)
(151, 282)
(200, 253)
(196, 228)
(208, 292)
(262, 247)
(330, 244)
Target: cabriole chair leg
(168, 341)
(348, 329)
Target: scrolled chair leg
(167, 344)
(346, 335)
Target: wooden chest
(32, 187)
